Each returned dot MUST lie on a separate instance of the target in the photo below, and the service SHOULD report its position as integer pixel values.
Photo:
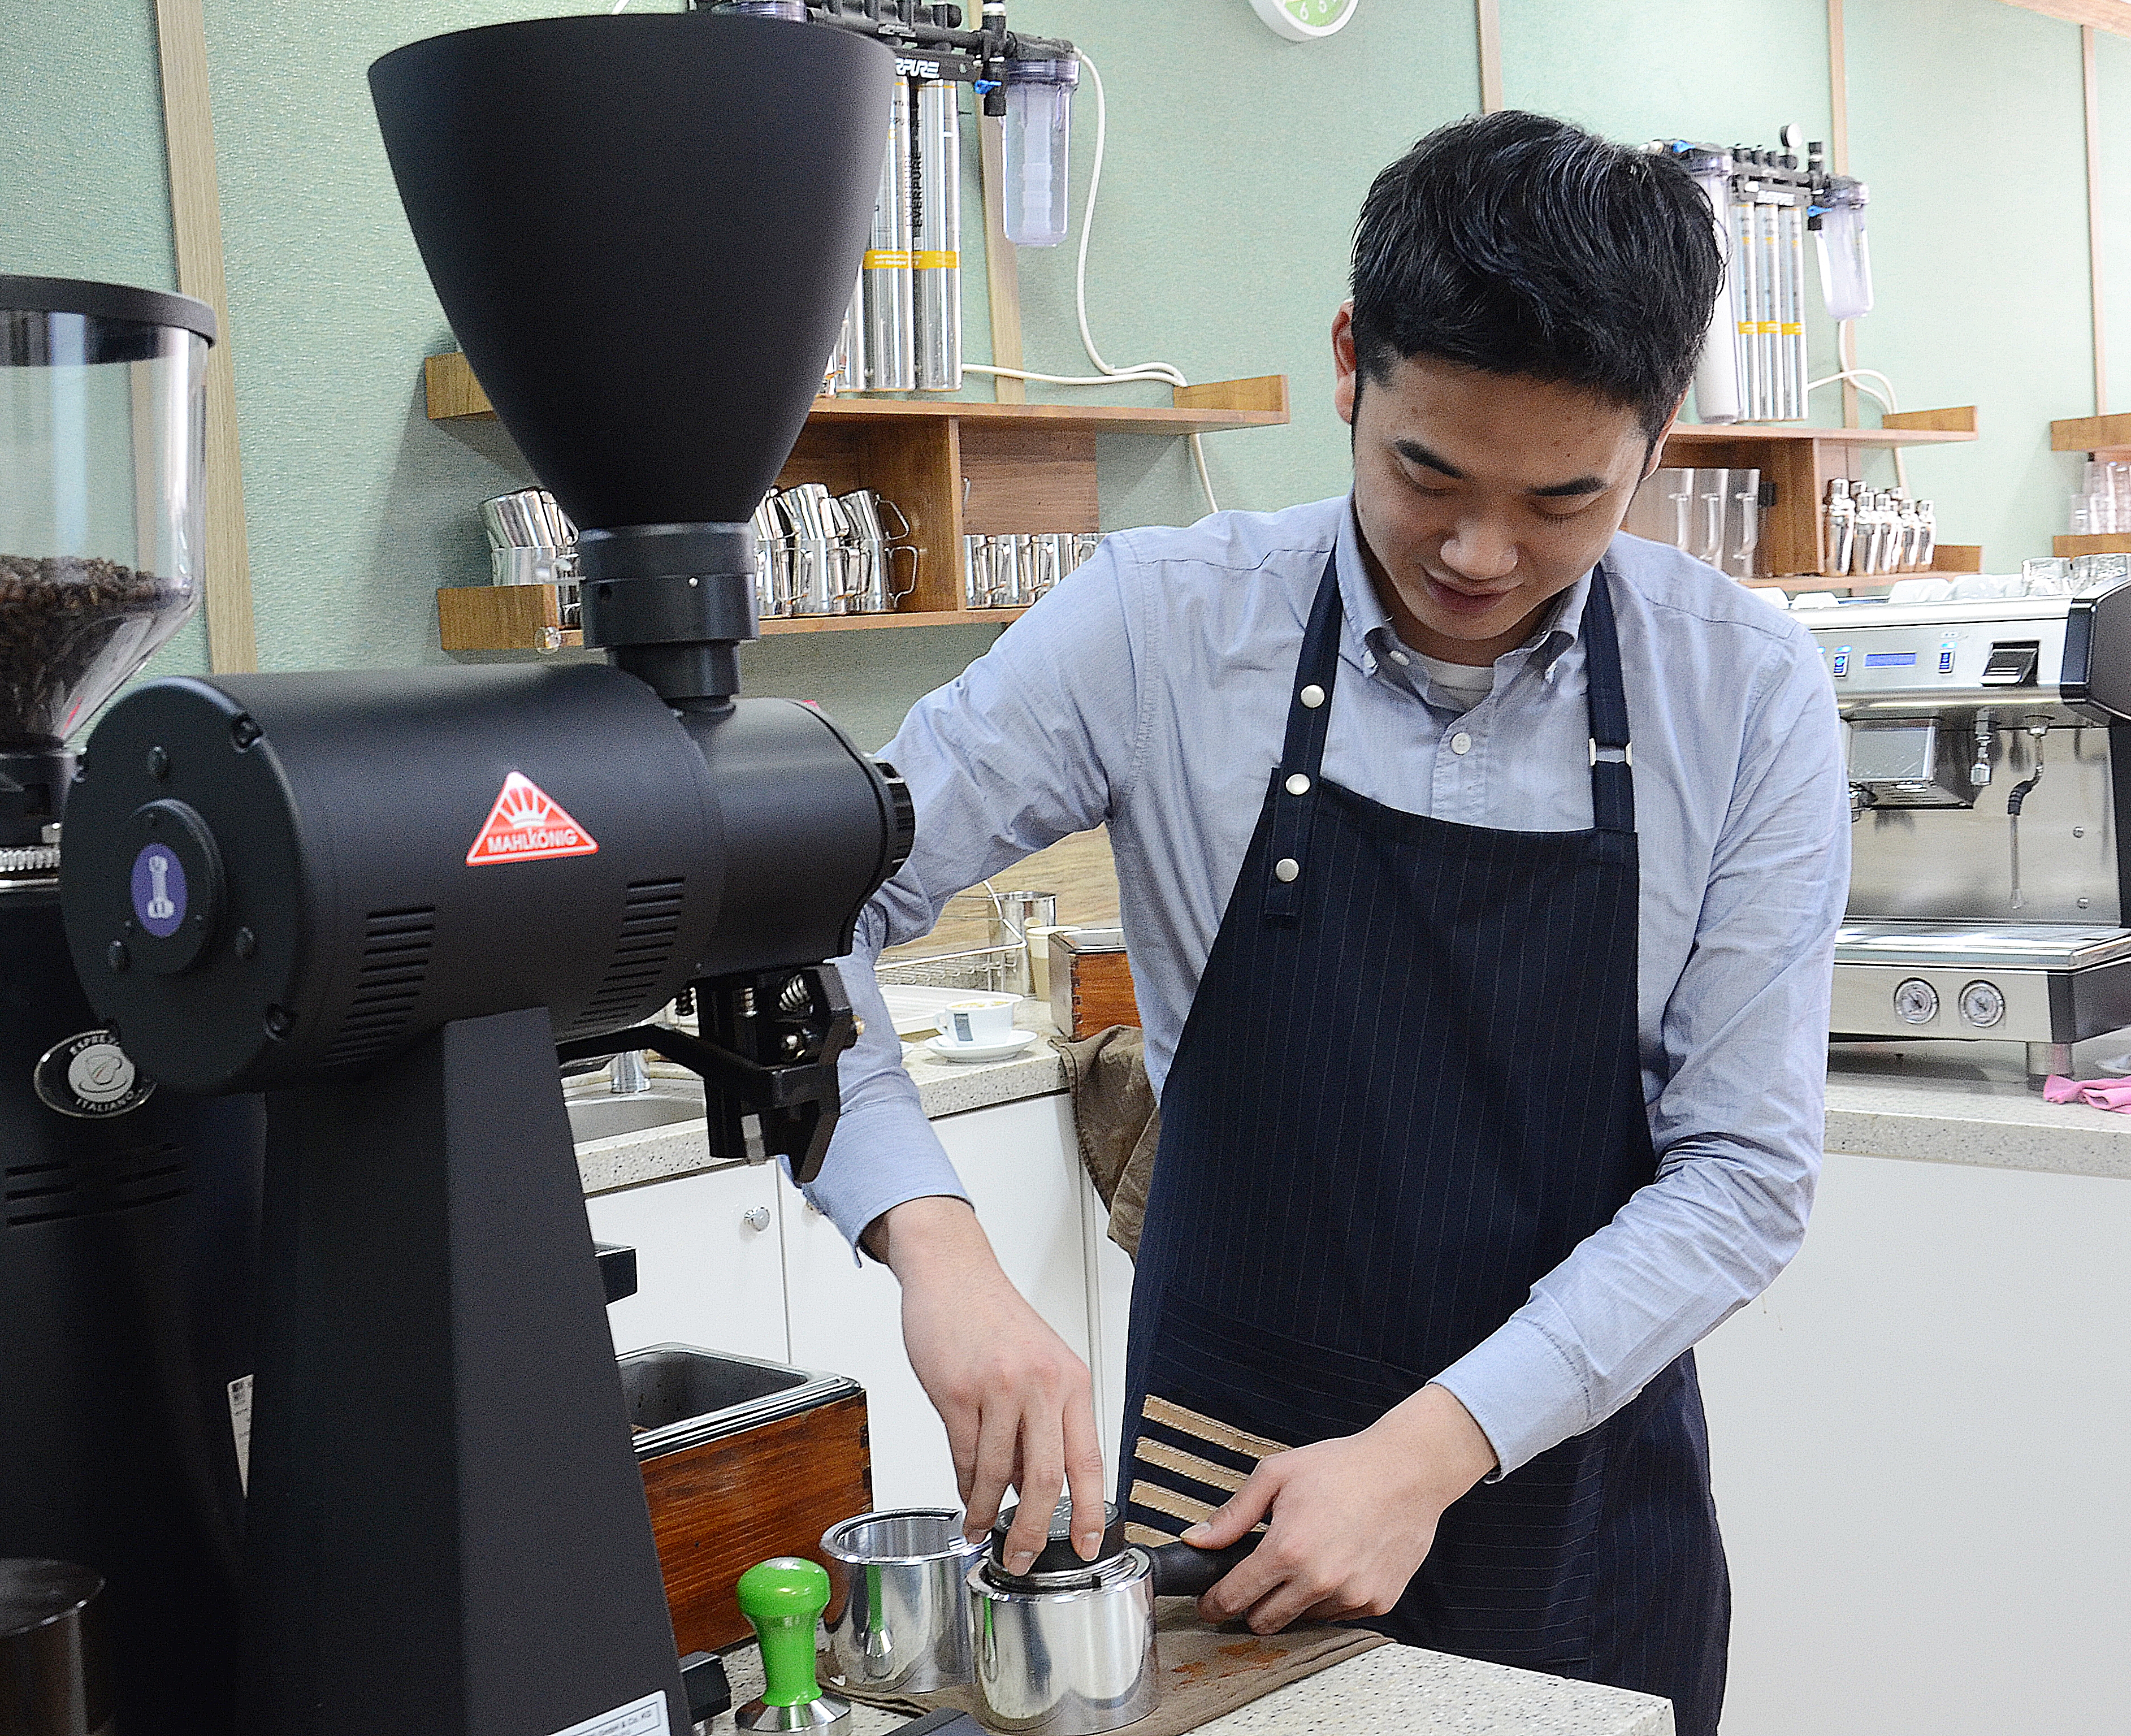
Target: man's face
(1480, 497)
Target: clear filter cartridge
(936, 266)
(890, 326)
(1039, 127)
(1717, 374)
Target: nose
(1480, 549)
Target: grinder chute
(391, 899)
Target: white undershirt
(1461, 686)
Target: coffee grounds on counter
(59, 615)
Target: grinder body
(361, 857)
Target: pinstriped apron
(1408, 1087)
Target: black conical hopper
(645, 231)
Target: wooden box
(1091, 984)
(718, 1507)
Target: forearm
(884, 1151)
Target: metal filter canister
(936, 266)
(890, 329)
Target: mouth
(1456, 601)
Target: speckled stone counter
(1947, 1104)
(944, 1088)
(1394, 1690)
(1970, 1106)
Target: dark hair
(1518, 244)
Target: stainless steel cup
(1048, 562)
(976, 572)
(898, 1600)
(1068, 1662)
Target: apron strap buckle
(1622, 753)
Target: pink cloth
(2098, 1093)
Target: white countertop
(1969, 1104)
(1394, 1690)
(1943, 1104)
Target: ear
(1344, 362)
(1655, 458)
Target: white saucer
(999, 1051)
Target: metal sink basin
(598, 1113)
(680, 1396)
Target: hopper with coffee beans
(128, 1214)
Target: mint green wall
(1236, 163)
(1986, 288)
(2113, 55)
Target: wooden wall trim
(1838, 160)
(196, 227)
(1001, 264)
(2090, 84)
(1488, 16)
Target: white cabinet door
(1018, 1163)
(709, 1262)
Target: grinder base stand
(447, 1530)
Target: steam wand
(2014, 800)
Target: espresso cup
(984, 1019)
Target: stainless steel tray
(2002, 946)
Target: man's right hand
(1015, 1399)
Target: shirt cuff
(880, 1160)
(1523, 1391)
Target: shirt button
(1312, 696)
(1286, 868)
(1400, 659)
(1299, 784)
(1461, 743)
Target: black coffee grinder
(128, 1214)
(391, 899)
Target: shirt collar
(1369, 625)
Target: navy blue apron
(1408, 1087)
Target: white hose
(1106, 374)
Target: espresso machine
(128, 1213)
(392, 901)
(1989, 758)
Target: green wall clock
(1305, 20)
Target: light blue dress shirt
(1149, 692)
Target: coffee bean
(70, 628)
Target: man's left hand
(1351, 1519)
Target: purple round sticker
(158, 891)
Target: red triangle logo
(528, 825)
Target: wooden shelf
(2104, 436)
(953, 468)
(529, 618)
(2106, 542)
(454, 395)
(1801, 462)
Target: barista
(1480, 868)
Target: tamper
(784, 1597)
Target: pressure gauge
(1305, 20)
(1983, 1004)
(1916, 1001)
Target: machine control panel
(1876, 651)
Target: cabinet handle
(756, 1217)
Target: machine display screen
(1890, 659)
(1896, 753)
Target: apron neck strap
(1612, 759)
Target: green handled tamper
(784, 1597)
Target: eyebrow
(1413, 452)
